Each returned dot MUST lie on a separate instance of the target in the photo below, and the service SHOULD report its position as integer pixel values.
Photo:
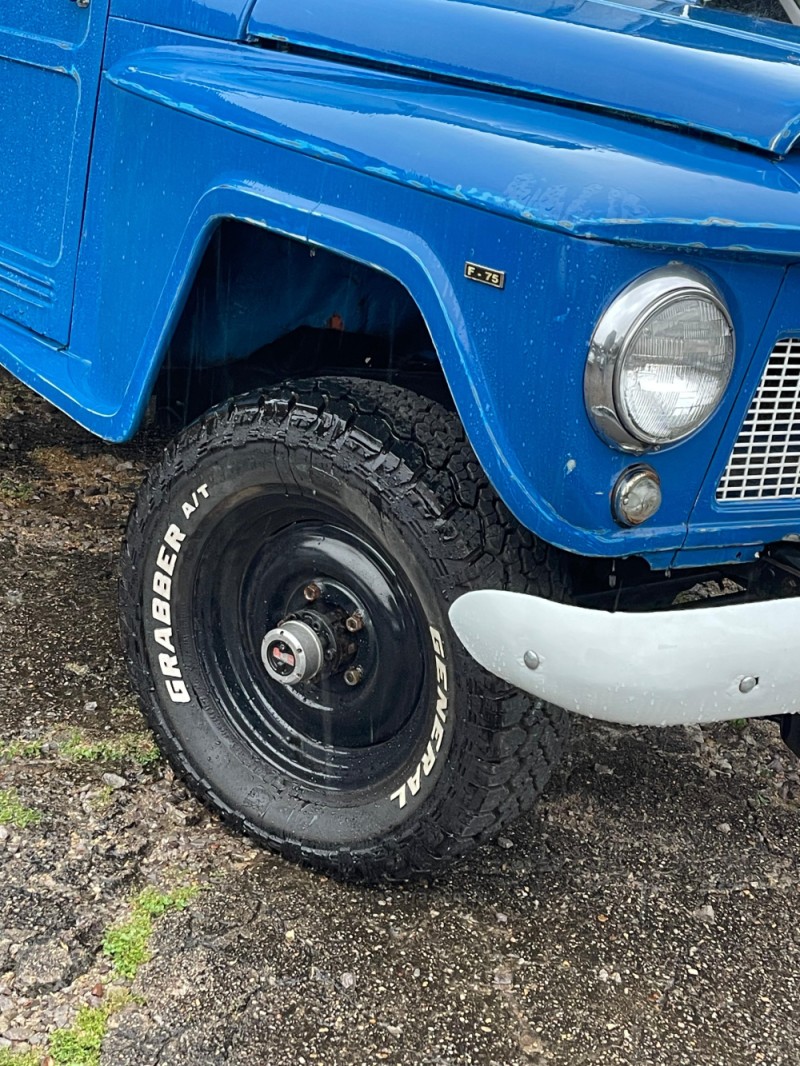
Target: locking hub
(316, 642)
(292, 652)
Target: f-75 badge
(495, 278)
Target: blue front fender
(417, 180)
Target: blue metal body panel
(742, 525)
(735, 80)
(586, 175)
(49, 69)
(415, 176)
(226, 19)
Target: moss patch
(12, 812)
(80, 1045)
(128, 944)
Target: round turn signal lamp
(636, 496)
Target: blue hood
(733, 77)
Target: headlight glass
(660, 360)
(674, 370)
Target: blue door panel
(32, 175)
(45, 20)
(50, 55)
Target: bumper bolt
(353, 676)
(531, 660)
(312, 592)
(355, 623)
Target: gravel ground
(644, 914)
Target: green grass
(101, 799)
(15, 490)
(20, 1058)
(21, 749)
(128, 944)
(136, 747)
(125, 747)
(12, 812)
(81, 1044)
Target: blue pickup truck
(478, 322)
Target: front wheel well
(264, 307)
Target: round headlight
(660, 359)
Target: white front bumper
(664, 668)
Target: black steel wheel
(283, 570)
(286, 577)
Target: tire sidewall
(281, 451)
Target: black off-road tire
(473, 753)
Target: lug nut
(312, 592)
(353, 676)
(355, 623)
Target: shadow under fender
(286, 577)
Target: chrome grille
(765, 461)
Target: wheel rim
(272, 558)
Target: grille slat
(765, 461)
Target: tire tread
(421, 449)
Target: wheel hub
(317, 642)
(292, 653)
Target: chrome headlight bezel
(613, 335)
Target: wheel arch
(401, 259)
(263, 306)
